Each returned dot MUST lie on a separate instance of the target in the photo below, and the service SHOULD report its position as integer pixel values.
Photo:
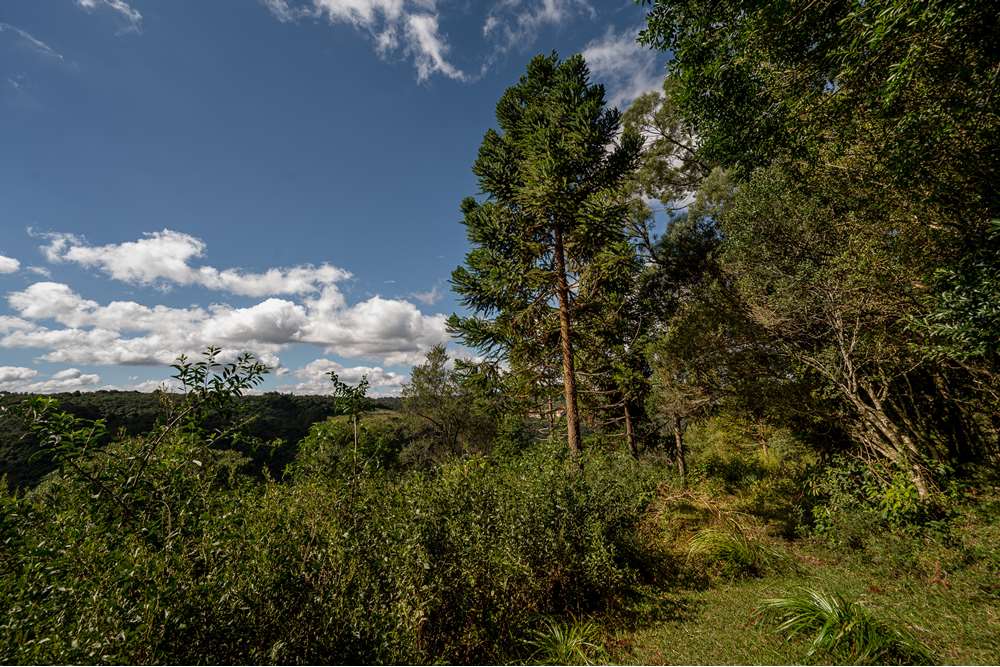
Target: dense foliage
(796, 380)
(279, 420)
(161, 548)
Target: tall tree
(555, 177)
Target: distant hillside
(277, 416)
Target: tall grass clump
(565, 643)
(843, 630)
(734, 550)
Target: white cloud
(407, 26)
(13, 378)
(314, 378)
(10, 374)
(132, 17)
(165, 258)
(517, 22)
(9, 264)
(32, 41)
(40, 271)
(430, 297)
(627, 69)
(429, 49)
(390, 329)
(130, 333)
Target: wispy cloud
(410, 27)
(132, 17)
(627, 69)
(517, 22)
(31, 41)
(429, 297)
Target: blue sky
(278, 176)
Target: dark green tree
(863, 138)
(453, 399)
(555, 177)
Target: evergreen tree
(555, 177)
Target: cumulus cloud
(130, 333)
(395, 26)
(627, 69)
(9, 264)
(14, 378)
(165, 258)
(390, 329)
(9, 374)
(131, 16)
(314, 378)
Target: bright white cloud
(314, 378)
(132, 17)
(9, 264)
(627, 69)
(407, 26)
(130, 333)
(166, 257)
(389, 329)
(428, 48)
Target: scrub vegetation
(766, 433)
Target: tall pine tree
(555, 177)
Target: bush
(328, 449)
(848, 501)
(209, 565)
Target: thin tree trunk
(633, 447)
(679, 453)
(354, 421)
(569, 374)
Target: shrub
(210, 565)
(843, 630)
(848, 501)
(328, 449)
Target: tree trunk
(354, 421)
(569, 373)
(633, 447)
(679, 453)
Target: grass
(734, 550)
(943, 594)
(569, 643)
(717, 624)
(842, 629)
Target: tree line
(831, 257)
